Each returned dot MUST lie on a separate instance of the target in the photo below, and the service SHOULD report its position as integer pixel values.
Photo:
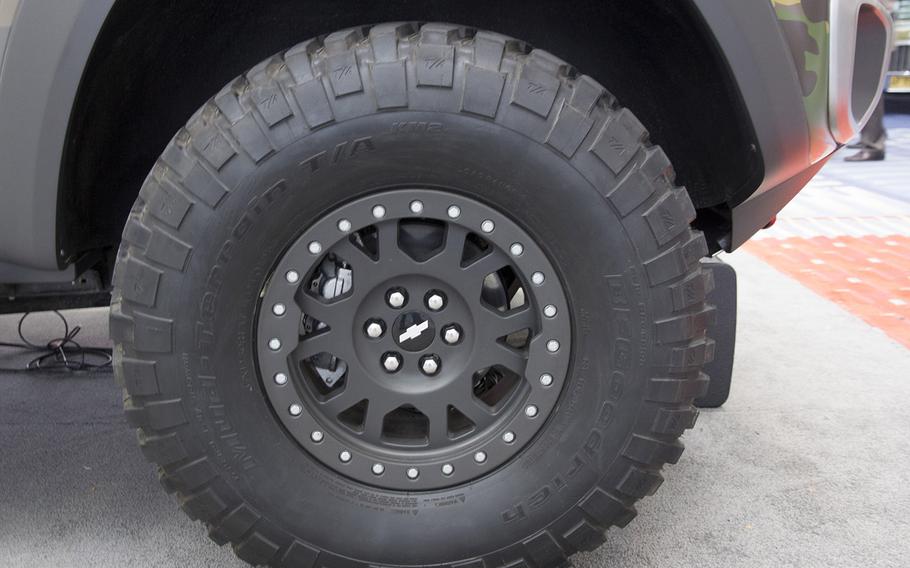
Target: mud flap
(723, 332)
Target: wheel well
(155, 63)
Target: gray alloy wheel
(414, 339)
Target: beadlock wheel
(411, 295)
(414, 265)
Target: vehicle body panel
(749, 35)
(46, 51)
(899, 70)
(782, 77)
(794, 89)
(860, 48)
(805, 26)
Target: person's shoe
(866, 156)
(856, 146)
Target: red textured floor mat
(869, 276)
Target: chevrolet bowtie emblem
(414, 331)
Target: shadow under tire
(358, 115)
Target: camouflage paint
(806, 28)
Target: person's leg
(873, 136)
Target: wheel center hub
(414, 331)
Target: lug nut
(429, 364)
(436, 301)
(487, 226)
(413, 473)
(396, 298)
(451, 334)
(448, 469)
(391, 362)
(374, 329)
(549, 311)
(538, 278)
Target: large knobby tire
(332, 122)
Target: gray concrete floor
(807, 465)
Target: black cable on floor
(59, 354)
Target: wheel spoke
(448, 260)
(460, 395)
(494, 353)
(365, 275)
(455, 240)
(493, 325)
(352, 254)
(475, 410)
(387, 239)
(377, 409)
(316, 308)
(487, 264)
(437, 414)
(351, 395)
(320, 342)
(338, 313)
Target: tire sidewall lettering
(227, 401)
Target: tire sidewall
(234, 249)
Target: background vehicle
(412, 293)
(899, 69)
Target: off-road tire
(196, 251)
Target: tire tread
(403, 65)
